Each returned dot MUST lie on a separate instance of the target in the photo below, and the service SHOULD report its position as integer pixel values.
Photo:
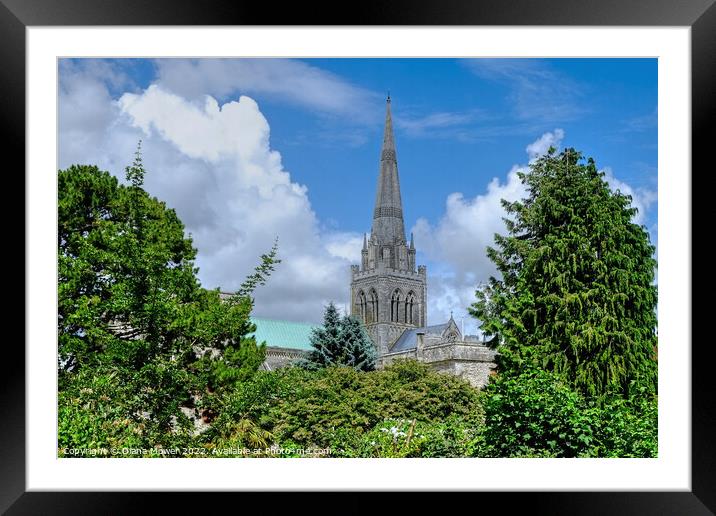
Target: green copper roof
(283, 334)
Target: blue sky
(294, 145)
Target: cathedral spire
(388, 226)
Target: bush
(536, 414)
(410, 438)
(337, 407)
(628, 427)
(98, 412)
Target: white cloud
(460, 238)
(535, 90)
(344, 245)
(287, 79)
(214, 164)
(427, 125)
(543, 143)
(641, 198)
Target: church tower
(387, 292)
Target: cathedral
(389, 294)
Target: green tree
(359, 351)
(341, 342)
(538, 414)
(326, 341)
(577, 293)
(132, 312)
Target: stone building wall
(472, 361)
(280, 357)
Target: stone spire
(388, 226)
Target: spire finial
(388, 99)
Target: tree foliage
(340, 341)
(577, 293)
(139, 339)
(142, 346)
(538, 414)
(337, 406)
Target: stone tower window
(409, 309)
(395, 305)
(362, 306)
(373, 306)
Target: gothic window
(410, 315)
(362, 306)
(395, 306)
(386, 253)
(373, 306)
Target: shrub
(536, 414)
(337, 406)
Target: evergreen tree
(325, 341)
(359, 351)
(577, 293)
(340, 341)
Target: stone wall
(471, 361)
(280, 357)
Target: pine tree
(359, 351)
(341, 342)
(577, 293)
(325, 341)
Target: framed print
(245, 134)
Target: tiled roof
(283, 334)
(409, 340)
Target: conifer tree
(359, 351)
(340, 341)
(577, 293)
(325, 340)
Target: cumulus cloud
(542, 144)
(458, 241)
(641, 198)
(214, 164)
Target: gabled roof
(409, 340)
(283, 334)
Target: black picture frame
(700, 15)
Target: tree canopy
(577, 294)
(133, 319)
